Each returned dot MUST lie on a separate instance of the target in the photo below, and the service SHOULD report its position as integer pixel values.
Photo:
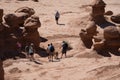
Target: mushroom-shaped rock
(32, 22)
(116, 18)
(16, 19)
(27, 10)
(1, 71)
(98, 10)
(111, 32)
(32, 35)
(98, 3)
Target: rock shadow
(105, 24)
(104, 53)
(12, 54)
(42, 52)
(42, 39)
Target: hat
(31, 44)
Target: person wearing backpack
(57, 16)
(51, 50)
(31, 52)
(64, 48)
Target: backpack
(26, 48)
(65, 45)
(51, 48)
(31, 50)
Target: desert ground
(81, 63)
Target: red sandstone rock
(1, 71)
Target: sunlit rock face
(98, 11)
(116, 18)
(31, 34)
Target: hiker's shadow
(61, 24)
(12, 54)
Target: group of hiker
(30, 50)
(52, 53)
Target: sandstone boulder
(27, 10)
(108, 13)
(87, 35)
(116, 18)
(32, 22)
(91, 28)
(98, 10)
(31, 37)
(111, 32)
(16, 19)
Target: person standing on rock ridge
(57, 16)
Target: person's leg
(65, 55)
(56, 18)
(61, 55)
(52, 57)
(32, 57)
(27, 55)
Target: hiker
(27, 50)
(19, 46)
(57, 16)
(31, 52)
(50, 51)
(64, 48)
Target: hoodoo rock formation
(110, 38)
(98, 10)
(87, 35)
(26, 10)
(31, 34)
(21, 27)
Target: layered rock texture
(20, 26)
(110, 36)
(98, 10)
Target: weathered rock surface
(27, 10)
(116, 18)
(1, 71)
